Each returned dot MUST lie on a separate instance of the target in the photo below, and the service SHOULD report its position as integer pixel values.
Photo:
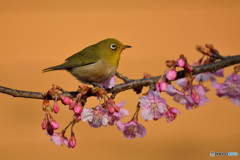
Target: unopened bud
(110, 108)
(171, 75)
(72, 105)
(182, 56)
(83, 89)
(210, 46)
(147, 75)
(207, 61)
(170, 63)
(55, 107)
(160, 86)
(237, 69)
(65, 100)
(204, 51)
(55, 125)
(189, 67)
(50, 130)
(117, 109)
(72, 141)
(181, 62)
(44, 123)
(78, 109)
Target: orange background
(39, 34)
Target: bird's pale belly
(97, 72)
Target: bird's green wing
(82, 58)
(85, 57)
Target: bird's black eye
(113, 46)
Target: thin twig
(122, 77)
(131, 84)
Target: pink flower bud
(163, 85)
(54, 124)
(181, 62)
(160, 86)
(110, 108)
(55, 107)
(65, 100)
(111, 101)
(72, 105)
(72, 140)
(50, 130)
(157, 86)
(44, 123)
(78, 109)
(117, 109)
(171, 114)
(189, 67)
(172, 74)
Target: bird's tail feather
(53, 68)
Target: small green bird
(94, 64)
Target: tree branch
(131, 84)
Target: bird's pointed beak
(126, 46)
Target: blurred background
(40, 34)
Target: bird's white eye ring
(113, 46)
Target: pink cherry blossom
(95, 117)
(177, 95)
(116, 116)
(184, 83)
(152, 106)
(59, 139)
(198, 97)
(203, 76)
(201, 91)
(219, 73)
(195, 97)
(111, 106)
(190, 102)
(235, 100)
(131, 129)
(230, 88)
(181, 62)
(172, 74)
(171, 114)
(209, 76)
(109, 83)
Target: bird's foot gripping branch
(191, 92)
